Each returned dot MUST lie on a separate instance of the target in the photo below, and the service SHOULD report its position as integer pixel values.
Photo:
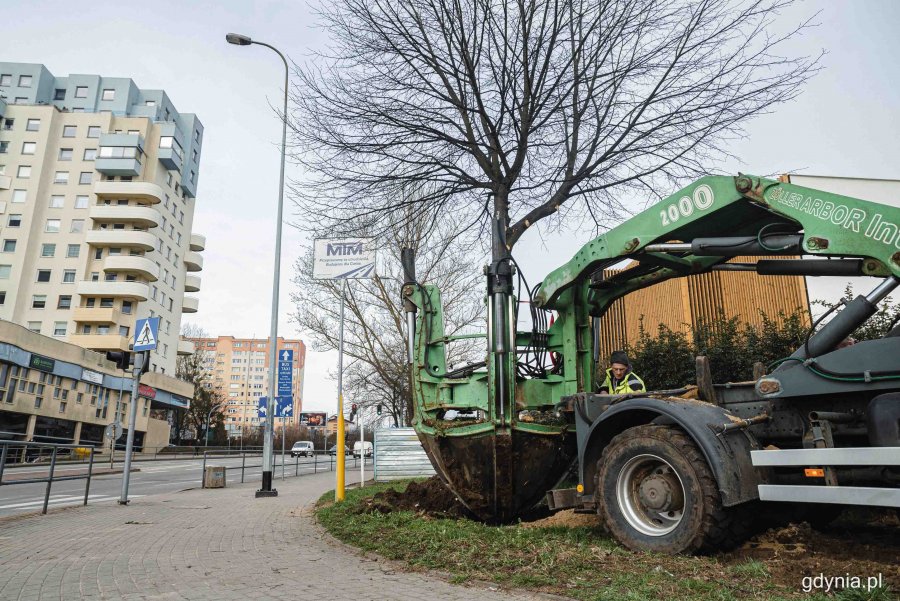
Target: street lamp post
(266, 489)
(208, 416)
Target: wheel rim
(651, 495)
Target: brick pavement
(215, 545)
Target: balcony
(185, 347)
(140, 266)
(198, 242)
(5, 182)
(134, 290)
(190, 304)
(191, 283)
(96, 315)
(145, 191)
(100, 342)
(121, 238)
(193, 261)
(118, 166)
(140, 216)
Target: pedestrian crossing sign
(146, 334)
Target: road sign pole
(140, 359)
(339, 453)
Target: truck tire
(655, 492)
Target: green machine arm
(500, 455)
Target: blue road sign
(146, 334)
(285, 372)
(284, 406)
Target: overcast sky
(846, 123)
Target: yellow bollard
(340, 452)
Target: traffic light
(124, 360)
(353, 408)
(379, 409)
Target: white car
(304, 448)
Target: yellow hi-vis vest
(627, 385)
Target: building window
(77, 226)
(57, 201)
(5, 79)
(20, 100)
(9, 246)
(126, 307)
(24, 172)
(85, 177)
(48, 250)
(95, 276)
(29, 147)
(2, 297)
(68, 277)
(61, 177)
(149, 103)
(18, 196)
(118, 152)
(73, 250)
(90, 154)
(59, 329)
(43, 275)
(38, 301)
(8, 124)
(65, 154)
(24, 81)
(106, 303)
(65, 302)
(4, 147)
(59, 94)
(33, 125)
(111, 277)
(81, 202)
(81, 92)
(69, 131)
(109, 95)
(15, 220)
(52, 226)
(4, 271)
(123, 331)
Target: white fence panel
(399, 454)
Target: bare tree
(553, 107)
(376, 372)
(191, 368)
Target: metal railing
(298, 466)
(54, 449)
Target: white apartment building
(98, 180)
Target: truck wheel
(655, 492)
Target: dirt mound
(859, 544)
(430, 497)
(565, 519)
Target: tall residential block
(98, 180)
(237, 369)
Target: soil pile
(861, 543)
(430, 497)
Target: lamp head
(237, 39)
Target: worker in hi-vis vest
(620, 379)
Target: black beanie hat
(619, 357)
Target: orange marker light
(814, 472)
(580, 488)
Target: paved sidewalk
(212, 545)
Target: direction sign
(285, 372)
(343, 258)
(284, 406)
(146, 334)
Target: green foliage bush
(667, 359)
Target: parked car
(358, 447)
(304, 448)
(333, 450)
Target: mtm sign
(343, 258)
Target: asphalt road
(154, 477)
